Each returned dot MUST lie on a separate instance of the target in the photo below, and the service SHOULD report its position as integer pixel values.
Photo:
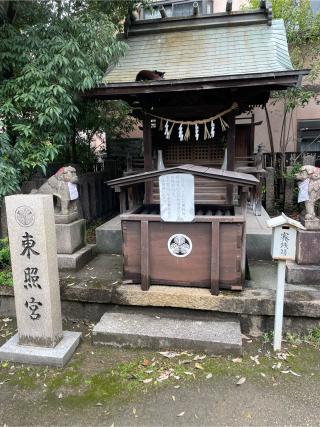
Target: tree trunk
(270, 137)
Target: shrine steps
(163, 329)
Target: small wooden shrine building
(216, 67)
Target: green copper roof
(198, 52)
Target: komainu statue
(309, 191)
(63, 186)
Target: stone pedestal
(306, 268)
(308, 247)
(34, 263)
(73, 251)
(71, 237)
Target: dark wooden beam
(229, 6)
(147, 148)
(231, 152)
(231, 141)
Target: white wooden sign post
(283, 248)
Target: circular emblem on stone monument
(24, 216)
(179, 245)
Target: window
(309, 135)
(178, 8)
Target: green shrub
(6, 277)
(4, 253)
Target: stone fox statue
(149, 75)
(59, 186)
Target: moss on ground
(98, 375)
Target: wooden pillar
(145, 273)
(215, 261)
(231, 152)
(147, 148)
(244, 262)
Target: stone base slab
(308, 244)
(71, 237)
(140, 330)
(76, 260)
(302, 274)
(57, 356)
(66, 219)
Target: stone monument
(73, 251)
(306, 268)
(32, 237)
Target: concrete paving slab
(57, 356)
(146, 330)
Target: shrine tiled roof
(204, 50)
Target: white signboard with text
(177, 197)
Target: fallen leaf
(169, 354)
(237, 360)
(294, 373)
(185, 361)
(241, 381)
(282, 355)
(208, 376)
(181, 414)
(198, 366)
(176, 386)
(147, 380)
(277, 365)
(197, 357)
(98, 404)
(60, 396)
(255, 359)
(262, 374)
(173, 398)
(146, 362)
(149, 371)
(134, 411)
(188, 373)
